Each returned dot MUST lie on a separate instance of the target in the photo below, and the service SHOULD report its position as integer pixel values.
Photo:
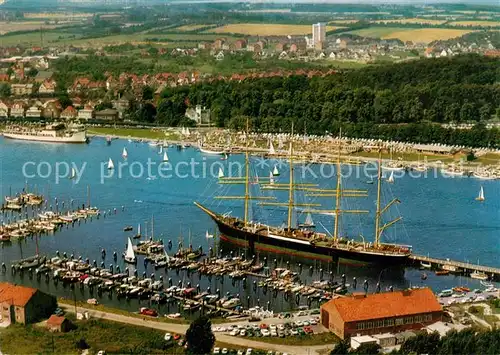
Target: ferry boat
(55, 133)
(309, 243)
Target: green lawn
(33, 39)
(134, 133)
(98, 334)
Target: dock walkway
(492, 272)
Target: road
(182, 328)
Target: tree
(103, 105)
(32, 72)
(485, 112)
(468, 112)
(5, 90)
(367, 349)
(199, 336)
(147, 93)
(421, 344)
(341, 348)
(146, 113)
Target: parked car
(167, 337)
(224, 351)
(265, 332)
(216, 351)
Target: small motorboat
(442, 272)
(423, 276)
(128, 228)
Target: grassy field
(134, 132)
(413, 20)
(190, 27)
(7, 26)
(489, 159)
(342, 22)
(98, 334)
(476, 23)
(267, 29)
(424, 35)
(33, 39)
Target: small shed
(58, 324)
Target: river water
(440, 215)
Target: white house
(34, 111)
(4, 109)
(86, 113)
(219, 56)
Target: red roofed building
(69, 113)
(19, 304)
(58, 324)
(381, 312)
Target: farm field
(33, 39)
(267, 29)
(413, 20)
(190, 27)
(424, 35)
(343, 22)
(57, 15)
(6, 26)
(476, 23)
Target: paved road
(182, 328)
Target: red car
(177, 336)
(263, 326)
(308, 330)
(148, 312)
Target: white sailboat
(271, 148)
(481, 195)
(73, 173)
(271, 178)
(275, 171)
(130, 255)
(138, 235)
(161, 149)
(208, 235)
(165, 157)
(221, 173)
(110, 164)
(125, 153)
(309, 223)
(391, 177)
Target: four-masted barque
(304, 241)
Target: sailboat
(161, 149)
(208, 235)
(129, 254)
(73, 173)
(391, 177)
(271, 148)
(308, 222)
(165, 157)
(124, 153)
(110, 164)
(306, 243)
(138, 235)
(224, 157)
(276, 171)
(221, 173)
(480, 197)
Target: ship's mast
(246, 177)
(378, 228)
(337, 193)
(379, 186)
(290, 187)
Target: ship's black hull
(254, 241)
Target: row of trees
(467, 341)
(399, 101)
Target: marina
(171, 202)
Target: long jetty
(459, 266)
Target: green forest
(405, 102)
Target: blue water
(440, 215)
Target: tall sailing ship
(304, 241)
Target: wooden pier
(459, 266)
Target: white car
(243, 332)
(313, 321)
(299, 323)
(234, 332)
(265, 332)
(274, 333)
(272, 326)
(167, 337)
(294, 332)
(281, 327)
(480, 299)
(305, 323)
(240, 352)
(224, 351)
(216, 351)
(249, 351)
